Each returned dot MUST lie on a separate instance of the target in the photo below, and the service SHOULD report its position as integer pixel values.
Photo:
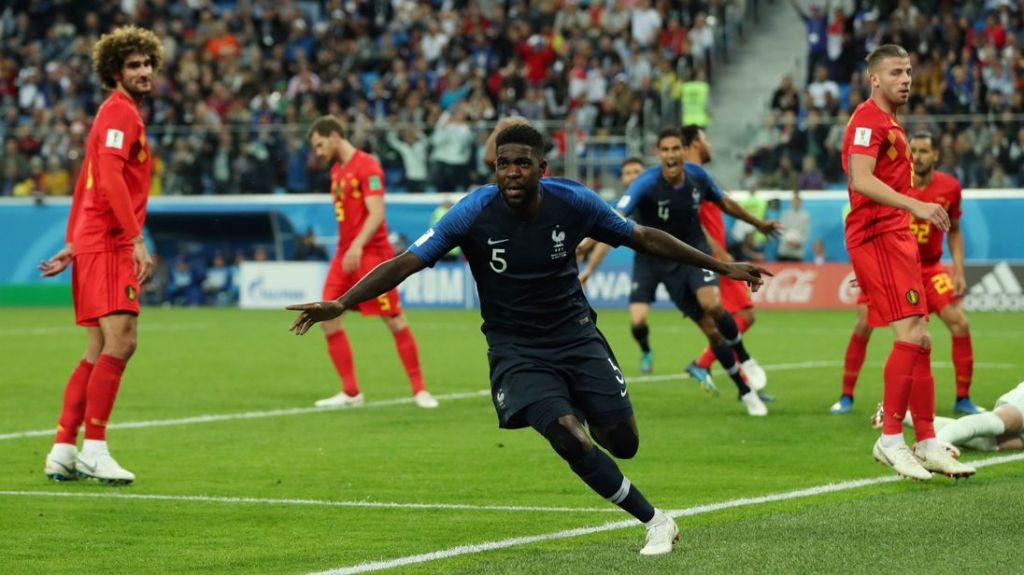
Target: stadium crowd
(420, 83)
(968, 91)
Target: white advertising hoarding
(274, 285)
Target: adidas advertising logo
(995, 289)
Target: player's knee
(622, 442)
(569, 446)
(121, 346)
(959, 327)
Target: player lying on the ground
(1001, 429)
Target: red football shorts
(888, 269)
(338, 282)
(103, 283)
(938, 287)
(735, 294)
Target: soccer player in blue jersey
(668, 197)
(551, 369)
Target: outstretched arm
(381, 279)
(659, 244)
(766, 227)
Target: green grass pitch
(695, 450)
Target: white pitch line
(245, 415)
(449, 397)
(312, 502)
(615, 525)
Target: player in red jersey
(735, 295)
(110, 259)
(942, 291)
(357, 188)
(876, 158)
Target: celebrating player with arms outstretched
(357, 189)
(876, 157)
(551, 369)
(109, 257)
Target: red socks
(922, 396)
(100, 394)
(410, 356)
(963, 364)
(341, 355)
(707, 357)
(856, 350)
(73, 411)
(899, 371)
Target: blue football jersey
(525, 270)
(654, 202)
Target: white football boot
(901, 459)
(941, 461)
(341, 399)
(60, 462)
(99, 465)
(662, 534)
(425, 400)
(756, 378)
(755, 406)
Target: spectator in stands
(412, 146)
(217, 282)
(796, 225)
(810, 177)
(308, 249)
(185, 284)
(785, 177)
(453, 142)
(821, 86)
(816, 23)
(818, 249)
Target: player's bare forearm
(597, 256)
(382, 279)
(374, 218)
(735, 210)
(717, 249)
(865, 182)
(654, 242)
(956, 246)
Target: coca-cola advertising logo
(793, 285)
(849, 291)
(808, 286)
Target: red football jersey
(711, 219)
(118, 130)
(944, 190)
(875, 133)
(351, 183)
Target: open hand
(56, 264)
(313, 313)
(771, 228)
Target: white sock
(94, 446)
(658, 518)
(63, 450)
(892, 440)
(928, 444)
(962, 430)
